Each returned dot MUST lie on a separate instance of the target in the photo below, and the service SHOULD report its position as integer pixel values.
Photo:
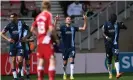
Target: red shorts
(45, 51)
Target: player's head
(13, 17)
(76, 2)
(113, 18)
(46, 5)
(68, 20)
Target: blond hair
(46, 5)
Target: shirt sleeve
(34, 24)
(61, 27)
(6, 28)
(76, 28)
(104, 27)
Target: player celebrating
(16, 29)
(68, 39)
(111, 31)
(45, 51)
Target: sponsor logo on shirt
(15, 32)
(112, 30)
(68, 32)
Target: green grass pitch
(126, 76)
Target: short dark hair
(113, 16)
(68, 16)
(14, 14)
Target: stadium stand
(85, 41)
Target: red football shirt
(42, 22)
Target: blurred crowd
(78, 8)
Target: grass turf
(126, 76)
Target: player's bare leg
(71, 68)
(110, 66)
(109, 56)
(52, 68)
(20, 64)
(64, 68)
(40, 68)
(13, 63)
(110, 70)
(28, 69)
(117, 67)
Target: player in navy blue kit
(68, 31)
(27, 51)
(111, 30)
(15, 28)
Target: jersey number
(41, 27)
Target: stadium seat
(30, 5)
(5, 5)
(16, 5)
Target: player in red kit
(42, 27)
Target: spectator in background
(99, 5)
(75, 9)
(13, 1)
(87, 9)
(1, 14)
(64, 5)
(35, 12)
(23, 9)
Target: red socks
(40, 72)
(51, 75)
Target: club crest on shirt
(11, 27)
(108, 26)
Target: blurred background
(97, 11)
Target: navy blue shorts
(111, 49)
(27, 54)
(15, 50)
(68, 53)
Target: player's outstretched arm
(85, 23)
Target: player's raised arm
(122, 25)
(56, 19)
(85, 23)
(54, 33)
